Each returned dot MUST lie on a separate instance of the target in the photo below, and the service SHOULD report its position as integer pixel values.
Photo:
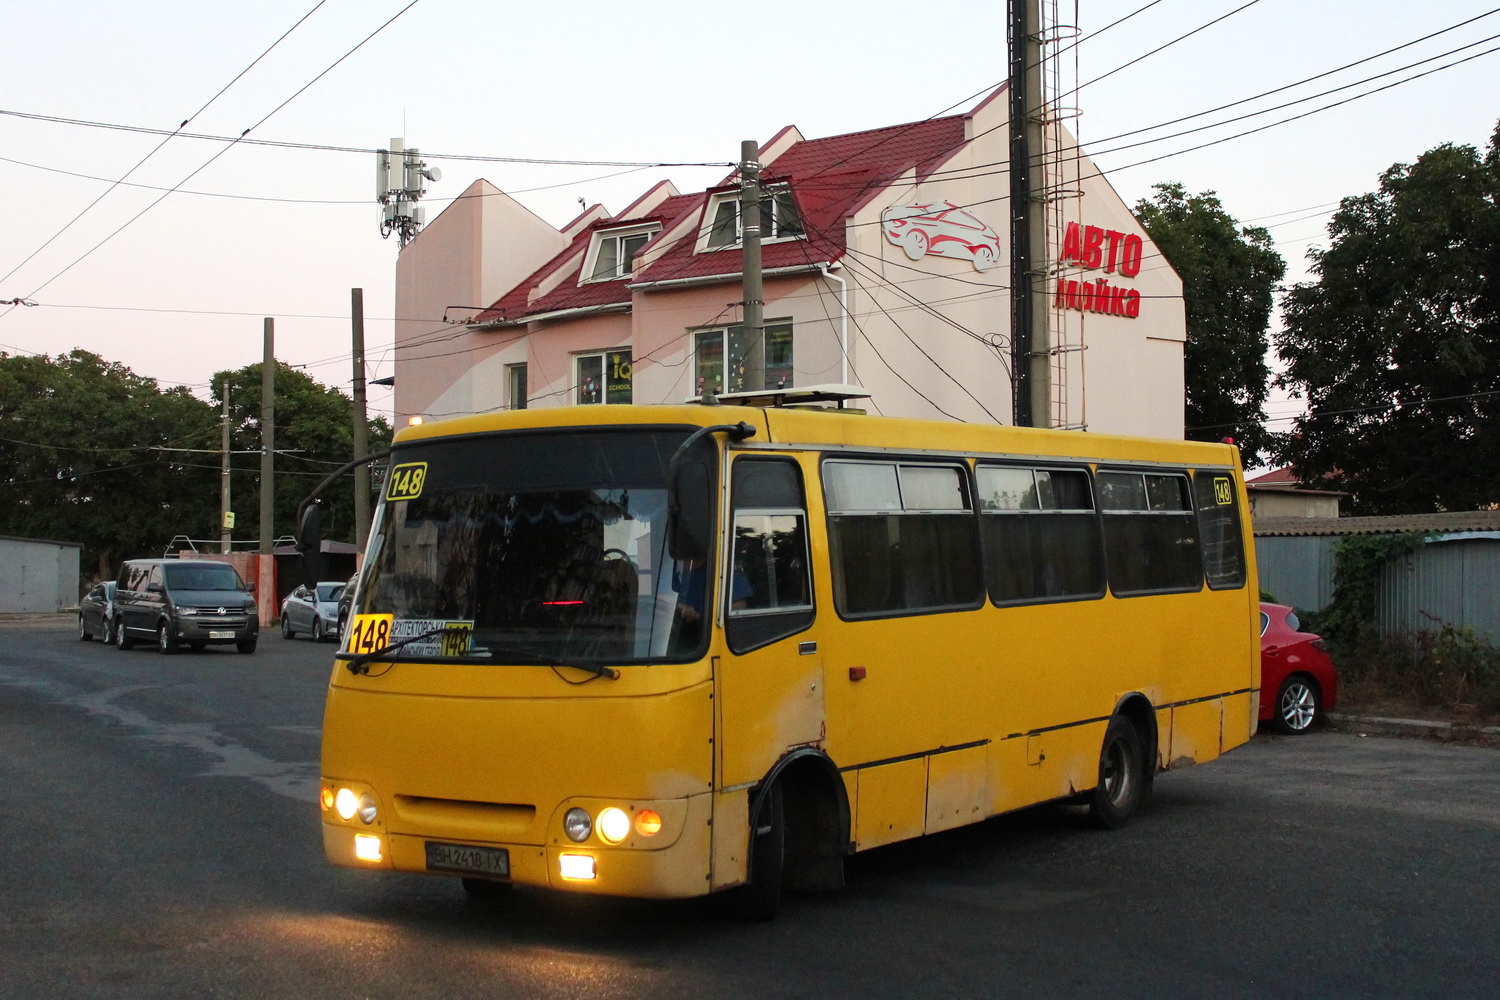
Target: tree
(314, 436)
(1396, 345)
(1229, 276)
(84, 453)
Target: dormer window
(779, 218)
(613, 253)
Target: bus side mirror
(689, 511)
(310, 545)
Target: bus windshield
(550, 547)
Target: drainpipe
(825, 268)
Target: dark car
(314, 610)
(192, 602)
(1296, 666)
(96, 613)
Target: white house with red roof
(1279, 493)
(886, 258)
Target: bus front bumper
(680, 869)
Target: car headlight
(346, 802)
(577, 825)
(187, 611)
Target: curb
(1446, 731)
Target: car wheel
(165, 644)
(125, 642)
(248, 646)
(286, 627)
(343, 627)
(915, 244)
(984, 258)
(1121, 777)
(761, 899)
(1298, 705)
(317, 632)
(83, 629)
(110, 635)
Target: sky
(176, 285)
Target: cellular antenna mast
(398, 195)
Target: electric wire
(155, 149)
(232, 143)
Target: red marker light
(561, 604)
(1226, 440)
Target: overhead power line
(231, 144)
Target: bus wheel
(1121, 776)
(762, 897)
(483, 890)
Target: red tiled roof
(831, 179)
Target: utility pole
(361, 422)
(226, 515)
(267, 437)
(1031, 347)
(753, 359)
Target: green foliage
(91, 452)
(1229, 277)
(314, 436)
(1446, 666)
(1396, 345)
(81, 457)
(1349, 619)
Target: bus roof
(804, 428)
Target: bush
(1444, 666)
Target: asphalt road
(159, 838)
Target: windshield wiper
(521, 656)
(360, 664)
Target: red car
(1295, 666)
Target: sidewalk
(1365, 725)
(67, 617)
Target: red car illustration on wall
(941, 228)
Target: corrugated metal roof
(1448, 521)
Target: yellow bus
(664, 651)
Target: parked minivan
(192, 602)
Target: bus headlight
(366, 847)
(614, 825)
(366, 809)
(346, 802)
(577, 825)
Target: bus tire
(1121, 776)
(761, 899)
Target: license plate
(221, 635)
(459, 858)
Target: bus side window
(1041, 534)
(1219, 526)
(770, 581)
(903, 538)
(1150, 533)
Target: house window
(515, 386)
(727, 361)
(604, 377)
(613, 254)
(779, 218)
